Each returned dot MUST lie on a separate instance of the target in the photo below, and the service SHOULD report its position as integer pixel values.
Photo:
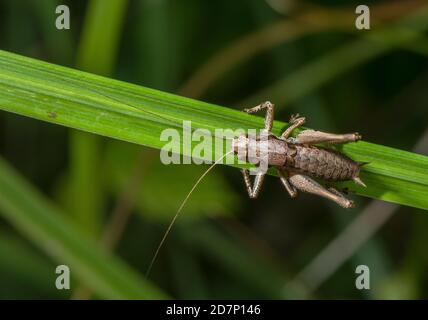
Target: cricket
(298, 160)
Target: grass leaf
(96, 104)
(84, 181)
(30, 213)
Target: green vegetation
(96, 197)
(135, 114)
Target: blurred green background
(307, 57)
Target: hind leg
(307, 184)
(290, 188)
(314, 137)
(337, 192)
(253, 191)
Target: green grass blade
(21, 263)
(406, 33)
(30, 213)
(99, 41)
(94, 104)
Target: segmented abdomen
(321, 163)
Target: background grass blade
(85, 149)
(94, 104)
(407, 32)
(85, 181)
(107, 276)
(21, 263)
(314, 21)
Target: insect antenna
(179, 210)
(168, 230)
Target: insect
(298, 161)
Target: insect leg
(307, 184)
(342, 191)
(290, 188)
(253, 191)
(314, 137)
(269, 113)
(295, 121)
(336, 192)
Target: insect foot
(296, 118)
(348, 204)
(357, 136)
(265, 105)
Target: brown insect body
(301, 158)
(314, 161)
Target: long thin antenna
(191, 190)
(179, 210)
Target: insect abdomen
(325, 164)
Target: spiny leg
(269, 113)
(253, 191)
(284, 179)
(336, 192)
(314, 137)
(295, 121)
(340, 191)
(307, 184)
